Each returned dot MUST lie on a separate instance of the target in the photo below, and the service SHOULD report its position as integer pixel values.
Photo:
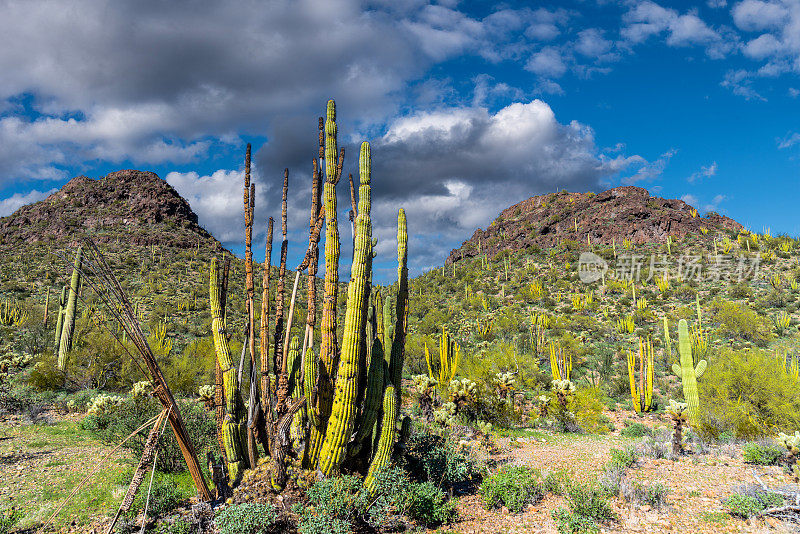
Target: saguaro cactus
(687, 372)
(68, 324)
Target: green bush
(587, 405)
(429, 505)
(179, 526)
(570, 523)
(636, 430)
(623, 458)
(9, 518)
(739, 321)
(761, 454)
(743, 394)
(114, 426)
(654, 494)
(513, 487)
(590, 501)
(745, 506)
(429, 457)
(247, 518)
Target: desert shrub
(739, 321)
(342, 504)
(636, 430)
(513, 487)
(587, 405)
(429, 457)
(9, 518)
(178, 526)
(589, 500)
(741, 393)
(45, 375)
(112, 426)
(556, 482)
(740, 290)
(748, 502)
(429, 505)
(246, 518)
(761, 454)
(588, 506)
(164, 494)
(623, 458)
(654, 494)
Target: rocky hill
(620, 213)
(130, 206)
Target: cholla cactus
(206, 394)
(141, 389)
(544, 403)
(505, 383)
(792, 444)
(104, 404)
(678, 411)
(564, 389)
(444, 415)
(462, 391)
(484, 427)
(14, 361)
(424, 385)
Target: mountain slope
(129, 205)
(620, 213)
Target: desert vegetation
(150, 385)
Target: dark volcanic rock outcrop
(619, 213)
(135, 206)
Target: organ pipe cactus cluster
(68, 323)
(687, 371)
(560, 363)
(643, 393)
(449, 356)
(348, 388)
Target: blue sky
(470, 106)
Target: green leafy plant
(761, 454)
(246, 518)
(513, 487)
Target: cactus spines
(233, 428)
(374, 394)
(643, 394)
(687, 372)
(329, 343)
(68, 324)
(62, 307)
(343, 411)
(266, 390)
(401, 306)
(383, 454)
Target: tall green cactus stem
(343, 411)
(234, 435)
(401, 310)
(329, 343)
(383, 452)
(294, 365)
(667, 340)
(449, 355)
(687, 372)
(62, 308)
(387, 329)
(68, 325)
(374, 396)
(309, 381)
